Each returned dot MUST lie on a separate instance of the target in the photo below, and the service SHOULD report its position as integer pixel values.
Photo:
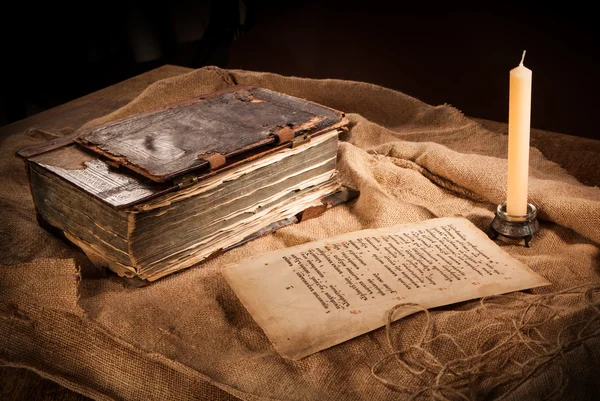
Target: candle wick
(523, 58)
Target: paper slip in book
(316, 295)
(160, 191)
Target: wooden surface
(579, 156)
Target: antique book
(160, 191)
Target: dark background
(439, 52)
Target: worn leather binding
(177, 145)
(162, 190)
(207, 132)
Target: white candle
(519, 124)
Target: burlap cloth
(188, 337)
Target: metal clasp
(186, 181)
(300, 140)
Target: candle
(519, 124)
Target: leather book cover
(208, 132)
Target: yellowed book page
(316, 295)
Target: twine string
(512, 352)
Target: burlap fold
(188, 337)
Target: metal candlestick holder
(514, 226)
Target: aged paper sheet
(316, 295)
